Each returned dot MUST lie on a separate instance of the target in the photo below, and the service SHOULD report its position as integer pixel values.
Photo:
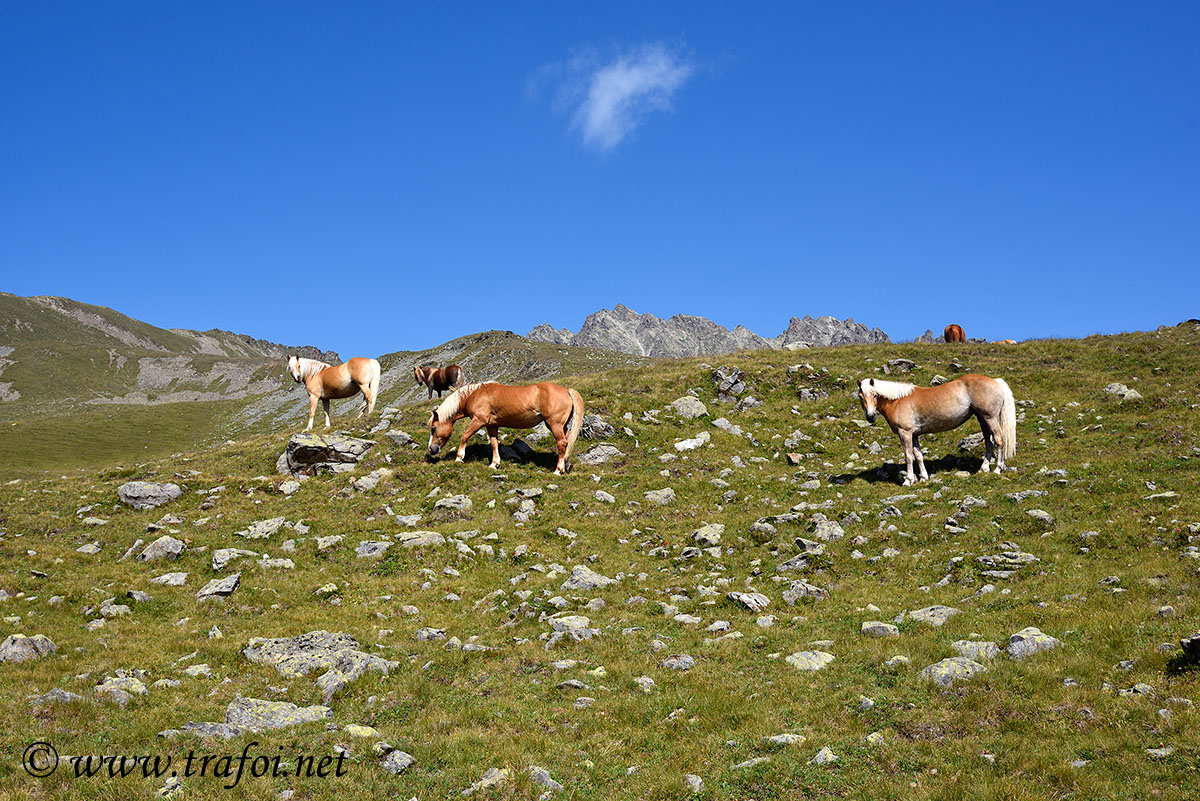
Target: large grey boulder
(599, 454)
(309, 454)
(595, 427)
(147, 494)
(220, 588)
(19, 648)
(584, 578)
(165, 547)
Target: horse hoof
(459, 460)
(494, 466)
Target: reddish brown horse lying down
(325, 382)
(439, 379)
(912, 411)
(494, 405)
(954, 333)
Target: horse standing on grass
(954, 333)
(439, 379)
(912, 411)
(326, 382)
(492, 405)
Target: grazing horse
(912, 411)
(439, 379)
(492, 405)
(325, 382)
(954, 333)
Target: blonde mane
(454, 401)
(310, 367)
(887, 389)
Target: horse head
(419, 374)
(439, 432)
(293, 364)
(866, 396)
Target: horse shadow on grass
(483, 453)
(893, 472)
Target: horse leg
(920, 457)
(906, 439)
(560, 440)
(988, 427)
(325, 406)
(996, 441)
(312, 410)
(494, 439)
(470, 432)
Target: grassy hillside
(1116, 479)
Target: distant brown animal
(912, 411)
(954, 333)
(1008, 342)
(325, 382)
(439, 380)
(493, 405)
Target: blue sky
(381, 176)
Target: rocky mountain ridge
(624, 330)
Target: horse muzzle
(434, 450)
(871, 418)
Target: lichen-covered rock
(808, 661)
(19, 648)
(875, 628)
(935, 615)
(257, 715)
(147, 494)
(948, 671)
(335, 653)
(688, 407)
(978, 651)
(1029, 641)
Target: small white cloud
(610, 100)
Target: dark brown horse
(491, 405)
(954, 333)
(439, 380)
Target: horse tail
(574, 421)
(373, 385)
(1008, 419)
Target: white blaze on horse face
(866, 397)
(294, 368)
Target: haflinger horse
(1008, 342)
(912, 411)
(954, 333)
(326, 382)
(439, 379)
(492, 405)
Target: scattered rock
(308, 454)
(948, 671)
(1029, 641)
(19, 648)
(808, 661)
(147, 494)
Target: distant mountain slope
(624, 330)
(57, 353)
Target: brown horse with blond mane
(492, 405)
(439, 379)
(912, 411)
(954, 333)
(326, 382)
